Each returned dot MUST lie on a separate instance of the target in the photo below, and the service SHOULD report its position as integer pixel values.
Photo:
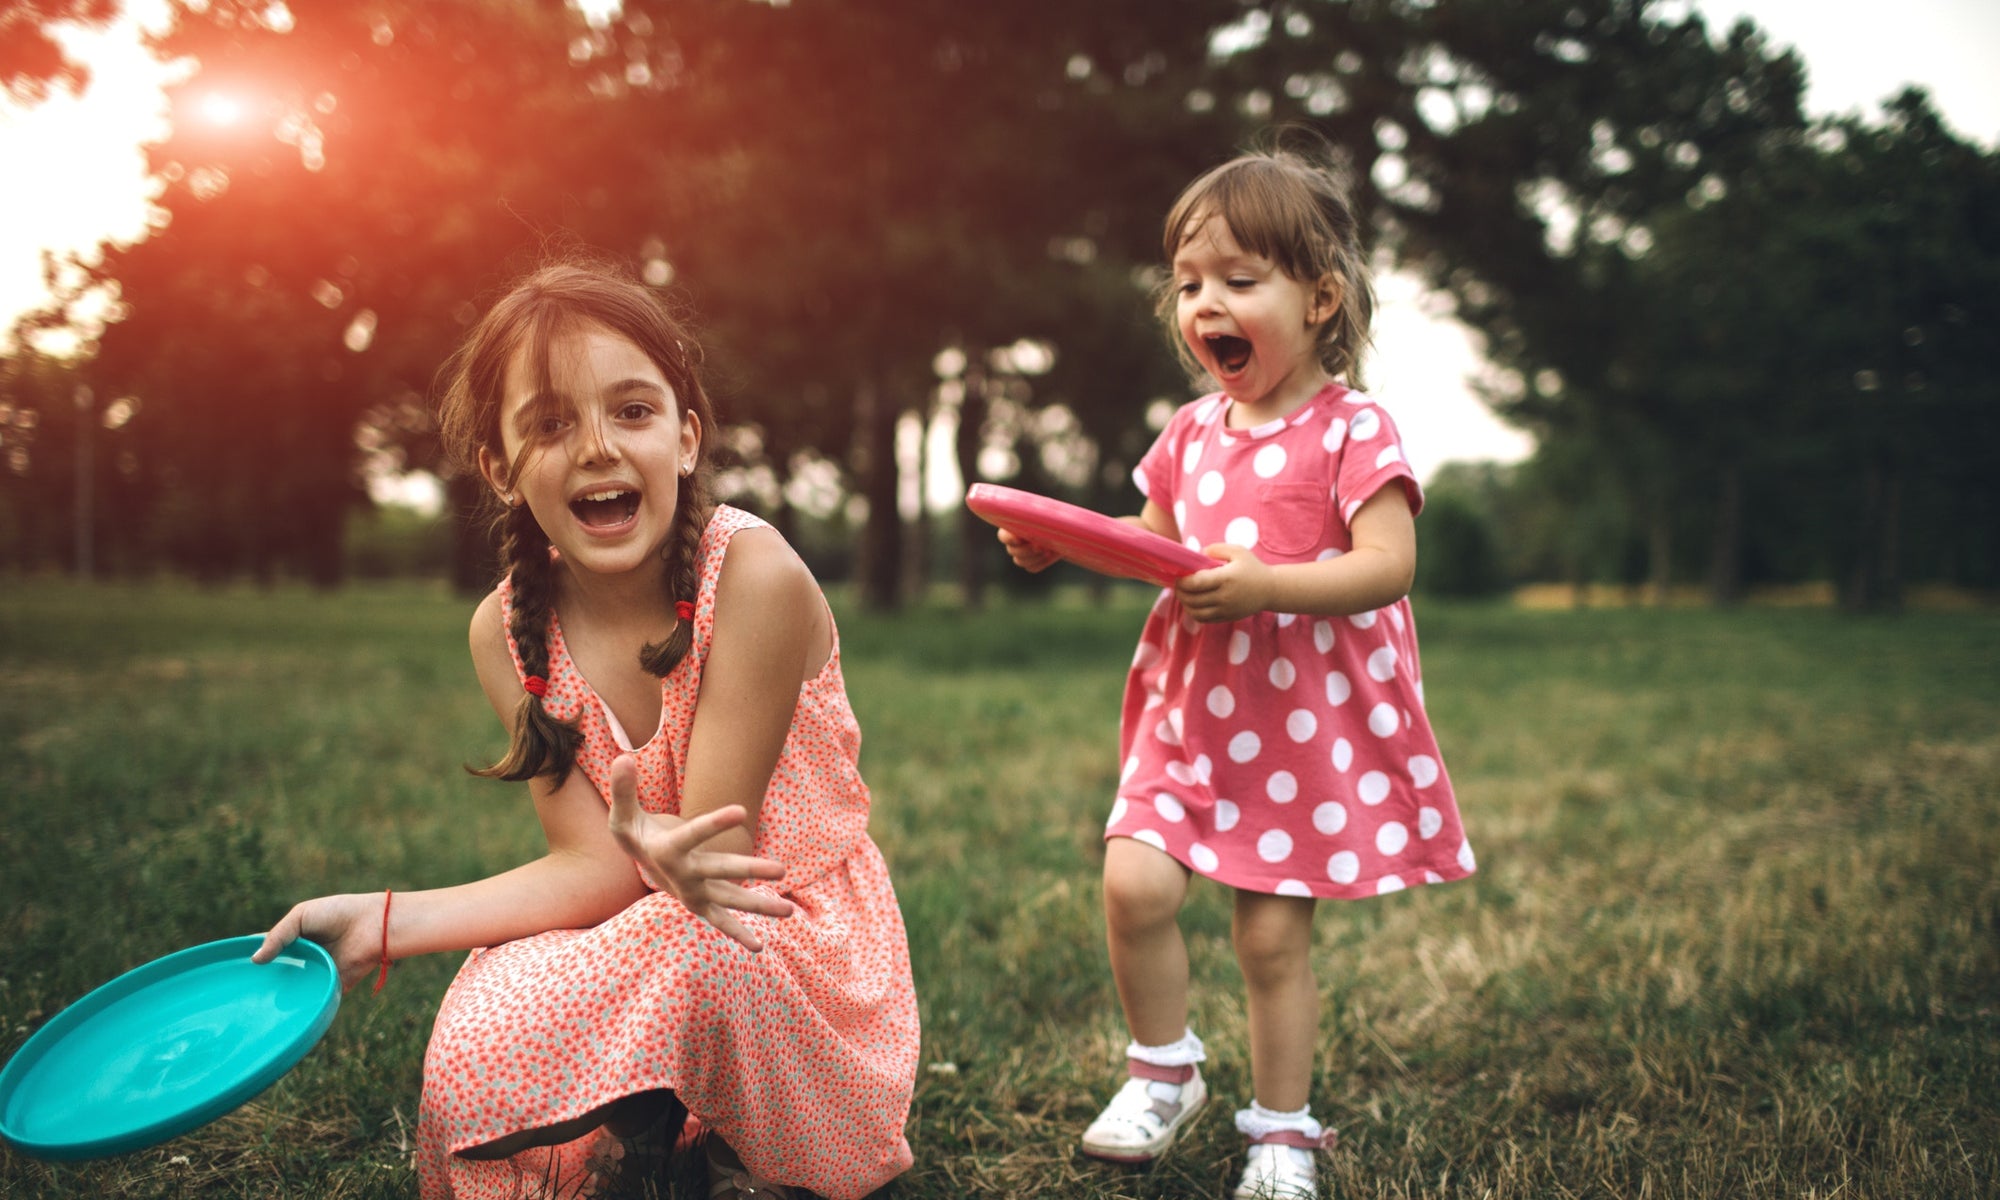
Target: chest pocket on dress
(1292, 516)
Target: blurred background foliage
(1752, 348)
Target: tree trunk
(882, 538)
(974, 535)
(1725, 563)
(1660, 554)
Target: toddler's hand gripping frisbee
(1089, 539)
(166, 1048)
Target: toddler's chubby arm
(1377, 571)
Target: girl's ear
(690, 440)
(495, 473)
(1327, 295)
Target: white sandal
(1146, 1115)
(1280, 1165)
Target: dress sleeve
(1159, 473)
(1372, 456)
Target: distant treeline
(1752, 347)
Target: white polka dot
(1343, 754)
(1366, 424)
(1221, 701)
(1384, 720)
(1465, 861)
(1178, 720)
(1274, 846)
(1192, 542)
(1389, 883)
(1154, 699)
(1165, 732)
(1373, 788)
(1131, 765)
(1239, 648)
(1244, 746)
(1241, 532)
(1145, 656)
(1226, 813)
(1323, 636)
(1382, 664)
(1300, 725)
(1180, 514)
(1344, 867)
(1283, 673)
(1187, 673)
(1168, 807)
(1118, 808)
(1180, 772)
(1286, 620)
(1390, 454)
(1151, 839)
(1392, 837)
(1268, 462)
(1423, 770)
(1429, 821)
(1329, 554)
(1139, 480)
(1395, 616)
(1336, 435)
(1190, 458)
(1203, 768)
(1291, 887)
(1282, 787)
(1363, 620)
(1330, 817)
(1203, 858)
(1338, 689)
(1433, 877)
(1209, 488)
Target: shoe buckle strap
(1140, 1069)
(1298, 1139)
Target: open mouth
(1231, 353)
(611, 506)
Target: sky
(87, 150)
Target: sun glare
(220, 108)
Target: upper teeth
(610, 494)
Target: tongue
(606, 512)
(1231, 352)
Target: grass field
(1736, 930)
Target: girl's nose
(596, 447)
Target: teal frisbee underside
(166, 1048)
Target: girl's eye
(1189, 288)
(635, 411)
(549, 426)
(1240, 283)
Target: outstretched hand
(1027, 555)
(670, 858)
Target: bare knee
(1143, 887)
(1273, 937)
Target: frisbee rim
(1087, 538)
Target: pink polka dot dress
(1280, 753)
(803, 1057)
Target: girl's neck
(613, 601)
(1281, 402)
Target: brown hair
(1288, 203)
(547, 304)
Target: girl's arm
(1377, 571)
(772, 634)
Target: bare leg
(1143, 892)
(1273, 937)
(627, 1116)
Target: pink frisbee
(1089, 539)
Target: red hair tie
(684, 609)
(536, 685)
(382, 978)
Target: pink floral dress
(803, 1057)
(1280, 753)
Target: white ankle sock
(1182, 1053)
(1257, 1121)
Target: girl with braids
(670, 675)
(1274, 737)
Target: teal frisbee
(166, 1048)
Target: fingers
(279, 936)
(624, 799)
(1027, 555)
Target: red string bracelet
(383, 977)
(684, 609)
(536, 685)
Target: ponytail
(542, 744)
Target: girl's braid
(541, 744)
(682, 552)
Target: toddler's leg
(1273, 936)
(1143, 892)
